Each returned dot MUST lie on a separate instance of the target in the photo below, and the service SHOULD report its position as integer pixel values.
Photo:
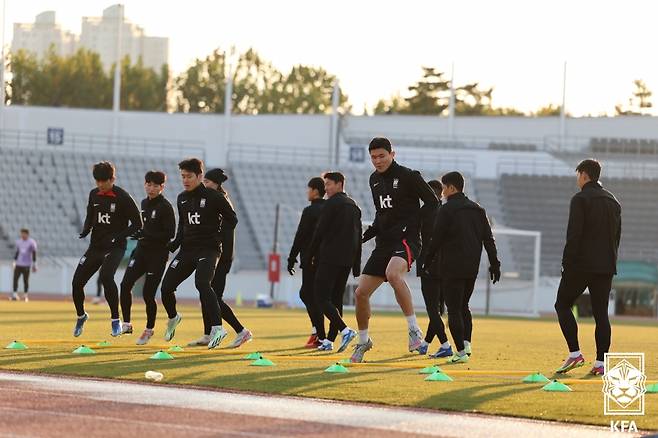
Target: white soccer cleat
(217, 335)
(145, 337)
(242, 338)
(201, 342)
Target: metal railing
(278, 154)
(74, 142)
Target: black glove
(291, 266)
(173, 246)
(368, 234)
(138, 235)
(84, 234)
(494, 273)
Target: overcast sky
(377, 48)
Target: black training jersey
(304, 233)
(159, 223)
(397, 193)
(200, 216)
(112, 216)
(227, 231)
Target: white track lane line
(302, 409)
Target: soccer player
(396, 192)
(335, 251)
(24, 260)
(430, 281)
(301, 244)
(589, 261)
(213, 180)
(461, 229)
(112, 216)
(201, 212)
(150, 256)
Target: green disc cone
(16, 345)
(556, 386)
(438, 377)
(652, 389)
(104, 344)
(175, 349)
(262, 362)
(345, 361)
(337, 368)
(430, 370)
(162, 355)
(83, 349)
(535, 378)
(253, 356)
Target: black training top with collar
(159, 223)
(200, 216)
(397, 193)
(112, 216)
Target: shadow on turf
(471, 398)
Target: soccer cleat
(171, 327)
(217, 334)
(13, 297)
(312, 342)
(116, 328)
(422, 350)
(326, 345)
(145, 337)
(570, 364)
(415, 339)
(126, 328)
(201, 342)
(242, 338)
(467, 349)
(442, 352)
(79, 324)
(345, 340)
(360, 351)
(25, 298)
(597, 371)
(456, 358)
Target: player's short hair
(317, 183)
(591, 167)
(380, 143)
(103, 171)
(25, 230)
(454, 179)
(193, 165)
(155, 176)
(436, 185)
(336, 177)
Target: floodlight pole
(116, 98)
(2, 67)
(451, 104)
(563, 110)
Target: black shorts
(382, 254)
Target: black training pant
(204, 262)
(330, 282)
(307, 295)
(572, 285)
(25, 272)
(149, 262)
(457, 293)
(431, 289)
(218, 286)
(94, 259)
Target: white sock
(127, 323)
(411, 322)
(424, 343)
(446, 344)
(115, 319)
(467, 343)
(314, 331)
(574, 354)
(462, 353)
(363, 336)
(220, 327)
(598, 363)
(345, 331)
(327, 342)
